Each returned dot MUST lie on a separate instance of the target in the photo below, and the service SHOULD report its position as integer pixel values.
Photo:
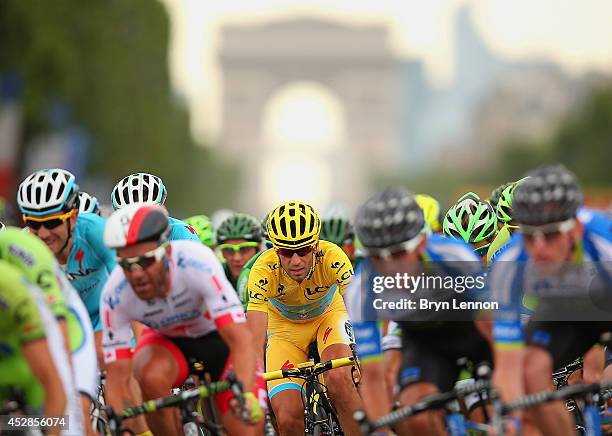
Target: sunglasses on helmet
(49, 223)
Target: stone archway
(354, 63)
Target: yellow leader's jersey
(271, 288)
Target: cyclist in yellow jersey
(295, 299)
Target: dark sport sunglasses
(144, 261)
(301, 252)
(47, 222)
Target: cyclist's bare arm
(40, 361)
(119, 394)
(240, 342)
(373, 389)
(258, 325)
(508, 373)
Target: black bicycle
(593, 394)
(320, 416)
(193, 422)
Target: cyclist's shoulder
(440, 248)
(596, 223)
(330, 253)
(265, 259)
(90, 228)
(86, 221)
(499, 242)
(188, 253)
(17, 302)
(10, 277)
(180, 230)
(25, 247)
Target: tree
(108, 60)
(583, 142)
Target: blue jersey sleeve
(90, 263)
(367, 338)
(180, 230)
(95, 237)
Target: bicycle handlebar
(175, 400)
(309, 368)
(430, 402)
(561, 394)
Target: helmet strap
(67, 240)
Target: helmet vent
(59, 194)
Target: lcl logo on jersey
(257, 296)
(311, 294)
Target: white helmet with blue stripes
(47, 191)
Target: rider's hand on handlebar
(247, 408)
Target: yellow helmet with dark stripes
(293, 225)
(431, 210)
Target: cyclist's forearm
(243, 350)
(258, 326)
(373, 390)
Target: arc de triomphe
(354, 63)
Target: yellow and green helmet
(204, 229)
(504, 204)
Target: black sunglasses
(37, 223)
(301, 252)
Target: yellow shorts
(288, 341)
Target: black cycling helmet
(337, 230)
(389, 218)
(551, 194)
(239, 226)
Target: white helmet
(137, 223)
(47, 191)
(138, 188)
(88, 203)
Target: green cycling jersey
(20, 324)
(501, 239)
(37, 263)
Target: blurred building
(489, 100)
(353, 65)
(527, 102)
